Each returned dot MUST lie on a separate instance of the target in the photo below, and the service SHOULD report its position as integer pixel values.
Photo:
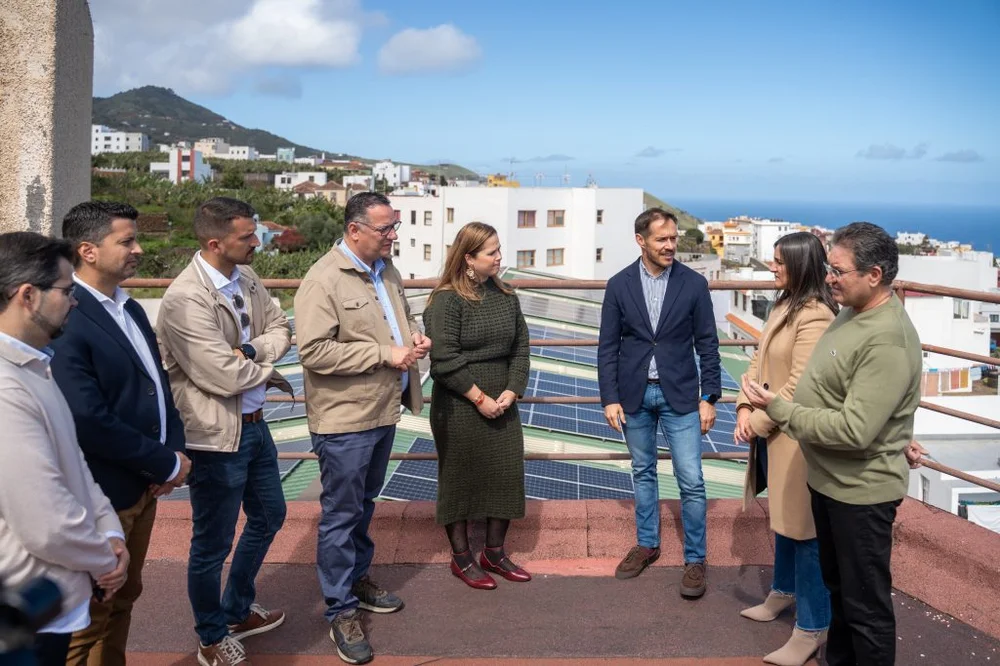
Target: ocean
(978, 225)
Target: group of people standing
(103, 416)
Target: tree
(290, 240)
(696, 235)
(319, 229)
(442, 180)
(232, 180)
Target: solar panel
(558, 310)
(582, 355)
(543, 479)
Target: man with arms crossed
(108, 366)
(852, 413)
(654, 312)
(358, 345)
(54, 520)
(221, 335)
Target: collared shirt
(78, 618)
(375, 273)
(653, 291)
(229, 287)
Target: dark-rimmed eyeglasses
(69, 291)
(836, 273)
(240, 304)
(384, 231)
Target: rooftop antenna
(539, 178)
(590, 180)
(565, 177)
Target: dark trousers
(51, 649)
(220, 483)
(352, 470)
(855, 544)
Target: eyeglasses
(69, 291)
(384, 231)
(836, 273)
(240, 303)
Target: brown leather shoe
(637, 559)
(693, 584)
(259, 621)
(227, 652)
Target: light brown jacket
(198, 331)
(54, 519)
(785, 348)
(344, 344)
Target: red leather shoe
(484, 583)
(505, 568)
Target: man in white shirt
(108, 366)
(54, 520)
(221, 335)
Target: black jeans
(51, 649)
(855, 544)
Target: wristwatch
(248, 351)
(710, 398)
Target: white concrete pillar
(46, 88)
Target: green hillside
(685, 220)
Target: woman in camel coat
(801, 315)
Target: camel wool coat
(785, 348)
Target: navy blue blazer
(113, 401)
(628, 341)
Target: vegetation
(685, 220)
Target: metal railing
(900, 287)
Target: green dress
(480, 460)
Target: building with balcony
(289, 179)
(393, 174)
(103, 139)
(183, 166)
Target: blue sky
(812, 101)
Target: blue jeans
(683, 433)
(220, 483)
(352, 470)
(797, 571)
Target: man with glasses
(54, 520)
(221, 335)
(358, 345)
(852, 414)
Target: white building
(103, 139)
(736, 242)
(744, 310)
(364, 181)
(289, 179)
(583, 233)
(950, 322)
(238, 153)
(393, 174)
(211, 147)
(907, 238)
(183, 165)
(764, 233)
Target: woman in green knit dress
(479, 363)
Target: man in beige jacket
(221, 335)
(358, 345)
(54, 520)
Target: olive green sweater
(853, 408)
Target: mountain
(167, 118)
(685, 220)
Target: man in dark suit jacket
(108, 367)
(654, 312)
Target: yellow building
(500, 180)
(716, 236)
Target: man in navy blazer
(108, 367)
(657, 314)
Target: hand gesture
(489, 408)
(914, 452)
(401, 358)
(758, 395)
(615, 416)
(112, 581)
(421, 345)
(743, 433)
(706, 413)
(506, 399)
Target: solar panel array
(543, 479)
(582, 355)
(558, 310)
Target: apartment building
(182, 166)
(393, 174)
(103, 139)
(579, 232)
(289, 179)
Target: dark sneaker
(693, 584)
(637, 559)
(227, 652)
(373, 598)
(346, 632)
(259, 621)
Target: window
(525, 219)
(554, 257)
(925, 489)
(427, 218)
(961, 308)
(736, 299)
(312, 179)
(397, 215)
(411, 276)
(413, 242)
(995, 318)
(450, 215)
(525, 258)
(557, 218)
(600, 216)
(600, 254)
(744, 302)
(427, 252)
(413, 217)
(395, 249)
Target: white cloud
(211, 46)
(443, 48)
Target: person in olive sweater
(852, 414)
